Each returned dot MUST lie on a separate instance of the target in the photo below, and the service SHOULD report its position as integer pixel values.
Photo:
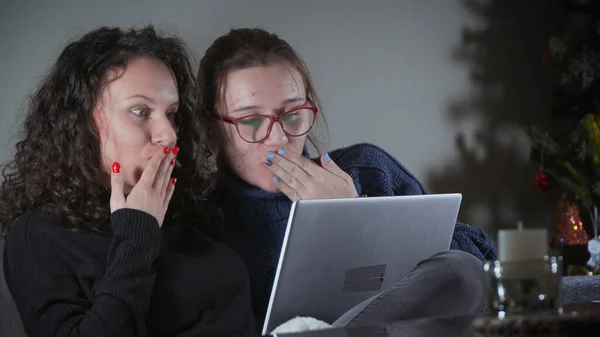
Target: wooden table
(583, 307)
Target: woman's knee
(457, 259)
(460, 274)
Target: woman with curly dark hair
(99, 241)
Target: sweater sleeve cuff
(134, 223)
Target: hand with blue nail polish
(300, 178)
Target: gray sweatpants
(448, 283)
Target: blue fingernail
(276, 180)
(281, 152)
(268, 163)
(270, 156)
(327, 159)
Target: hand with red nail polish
(116, 167)
(153, 191)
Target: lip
(273, 150)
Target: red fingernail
(173, 180)
(175, 150)
(166, 150)
(116, 167)
(173, 161)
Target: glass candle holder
(528, 287)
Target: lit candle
(522, 244)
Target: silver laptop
(338, 252)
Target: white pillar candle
(522, 244)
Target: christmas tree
(571, 156)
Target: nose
(164, 133)
(277, 137)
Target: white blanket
(299, 324)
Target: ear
(99, 118)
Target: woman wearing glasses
(259, 94)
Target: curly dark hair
(57, 161)
(244, 48)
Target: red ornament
(543, 181)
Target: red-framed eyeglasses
(256, 127)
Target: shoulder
(24, 246)
(376, 170)
(366, 162)
(362, 154)
(365, 155)
(36, 221)
(35, 226)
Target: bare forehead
(143, 76)
(263, 85)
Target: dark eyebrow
(150, 99)
(293, 100)
(143, 97)
(253, 107)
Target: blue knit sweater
(255, 220)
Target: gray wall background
(446, 86)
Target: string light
(569, 229)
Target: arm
(473, 240)
(48, 295)
(387, 176)
(469, 239)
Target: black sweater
(132, 279)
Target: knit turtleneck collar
(254, 225)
